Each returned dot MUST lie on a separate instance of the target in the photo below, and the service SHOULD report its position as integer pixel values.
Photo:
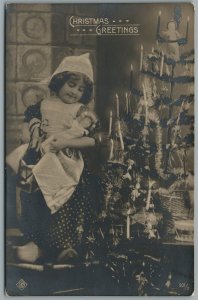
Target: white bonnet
(79, 64)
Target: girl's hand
(57, 144)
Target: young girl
(60, 235)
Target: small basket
(184, 230)
(175, 204)
(174, 208)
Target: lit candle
(100, 137)
(111, 149)
(188, 19)
(120, 136)
(162, 64)
(117, 106)
(145, 103)
(167, 70)
(158, 22)
(152, 50)
(131, 78)
(141, 57)
(127, 103)
(128, 225)
(157, 46)
(110, 122)
(148, 201)
(93, 104)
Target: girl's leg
(34, 215)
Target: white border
(2, 43)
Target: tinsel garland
(168, 78)
(159, 154)
(185, 119)
(177, 102)
(170, 61)
(167, 100)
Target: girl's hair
(60, 79)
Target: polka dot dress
(69, 226)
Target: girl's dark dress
(70, 226)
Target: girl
(60, 235)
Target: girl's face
(72, 90)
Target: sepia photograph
(99, 149)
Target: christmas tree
(149, 180)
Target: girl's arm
(77, 143)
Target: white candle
(157, 45)
(110, 121)
(131, 78)
(158, 22)
(167, 70)
(111, 149)
(127, 103)
(120, 136)
(100, 137)
(148, 201)
(128, 225)
(152, 50)
(141, 57)
(146, 105)
(188, 19)
(117, 106)
(162, 64)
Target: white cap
(76, 64)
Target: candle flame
(116, 95)
(160, 12)
(188, 19)
(131, 67)
(141, 47)
(111, 113)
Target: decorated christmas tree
(149, 176)
(148, 179)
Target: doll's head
(87, 119)
(86, 122)
(72, 81)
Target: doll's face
(86, 122)
(72, 90)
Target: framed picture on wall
(99, 149)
